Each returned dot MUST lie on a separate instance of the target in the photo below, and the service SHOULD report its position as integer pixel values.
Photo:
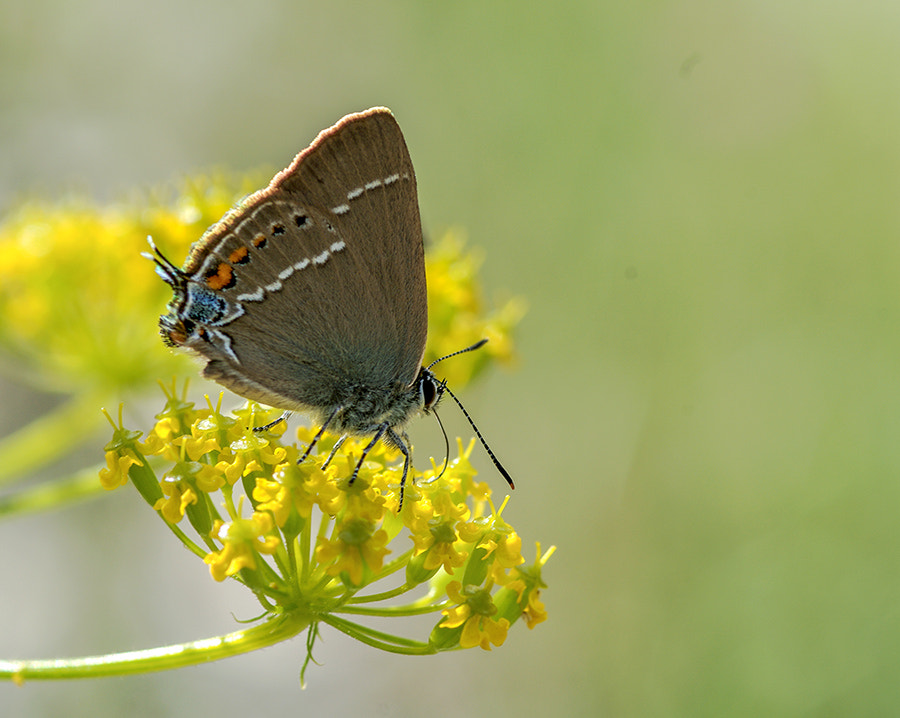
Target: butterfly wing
(315, 286)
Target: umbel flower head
(310, 543)
(79, 309)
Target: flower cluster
(80, 307)
(309, 542)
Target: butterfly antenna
(164, 268)
(503, 472)
(472, 348)
(446, 444)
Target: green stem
(53, 495)
(396, 564)
(363, 610)
(164, 658)
(29, 448)
(183, 537)
(379, 639)
(383, 596)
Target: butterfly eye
(429, 390)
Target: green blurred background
(700, 202)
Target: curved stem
(379, 639)
(164, 658)
(408, 610)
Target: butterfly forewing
(323, 273)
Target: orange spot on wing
(223, 277)
(239, 255)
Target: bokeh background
(699, 201)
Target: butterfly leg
(401, 441)
(337, 445)
(375, 439)
(318, 435)
(284, 417)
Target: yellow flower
(483, 631)
(182, 486)
(520, 595)
(178, 497)
(534, 612)
(117, 464)
(273, 496)
(439, 545)
(195, 447)
(506, 548)
(358, 549)
(243, 540)
(232, 466)
(474, 613)
(165, 429)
